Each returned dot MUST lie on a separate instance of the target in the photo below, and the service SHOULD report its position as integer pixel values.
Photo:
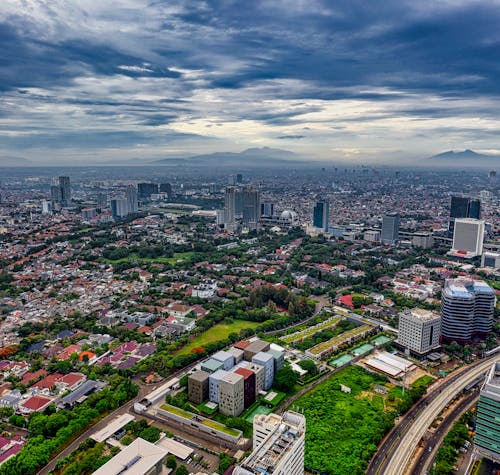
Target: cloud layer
(347, 79)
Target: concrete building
(487, 436)
(390, 228)
(198, 385)
(237, 354)
(279, 358)
(231, 394)
(267, 361)
(255, 347)
(419, 330)
(211, 365)
(119, 207)
(258, 370)
(65, 190)
(138, 458)
(463, 207)
(371, 236)
(131, 197)
(467, 309)
(281, 452)
(214, 385)
(491, 259)
(468, 236)
(248, 385)
(423, 240)
(226, 358)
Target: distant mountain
(465, 158)
(464, 155)
(14, 162)
(251, 157)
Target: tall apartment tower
(390, 228)
(487, 436)
(278, 447)
(267, 209)
(463, 207)
(65, 189)
(468, 235)
(321, 215)
(145, 190)
(55, 196)
(467, 309)
(166, 188)
(250, 207)
(232, 208)
(119, 207)
(131, 196)
(419, 330)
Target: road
(435, 440)
(397, 448)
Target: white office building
(214, 385)
(468, 236)
(280, 450)
(419, 330)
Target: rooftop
(136, 459)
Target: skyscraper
(321, 215)
(419, 330)
(119, 208)
(65, 189)
(131, 196)
(463, 207)
(145, 190)
(487, 436)
(468, 236)
(166, 188)
(250, 207)
(390, 228)
(55, 196)
(467, 309)
(280, 449)
(241, 207)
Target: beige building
(231, 394)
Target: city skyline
(105, 83)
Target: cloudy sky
(101, 80)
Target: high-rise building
(166, 188)
(390, 228)
(241, 208)
(46, 207)
(65, 186)
(492, 175)
(467, 309)
(55, 196)
(231, 394)
(119, 208)
(267, 361)
(267, 209)
(251, 207)
(145, 190)
(239, 178)
(248, 385)
(321, 215)
(102, 201)
(280, 450)
(463, 207)
(131, 196)
(419, 330)
(487, 436)
(468, 236)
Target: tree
(182, 470)
(309, 366)
(171, 462)
(285, 380)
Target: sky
(84, 81)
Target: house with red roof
(34, 403)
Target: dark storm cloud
(159, 58)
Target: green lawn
(180, 256)
(216, 333)
(343, 430)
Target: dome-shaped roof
(288, 215)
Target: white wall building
(468, 236)
(281, 450)
(419, 330)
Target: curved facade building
(467, 309)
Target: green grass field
(180, 256)
(216, 333)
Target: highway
(398, 447)
(434, 441)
